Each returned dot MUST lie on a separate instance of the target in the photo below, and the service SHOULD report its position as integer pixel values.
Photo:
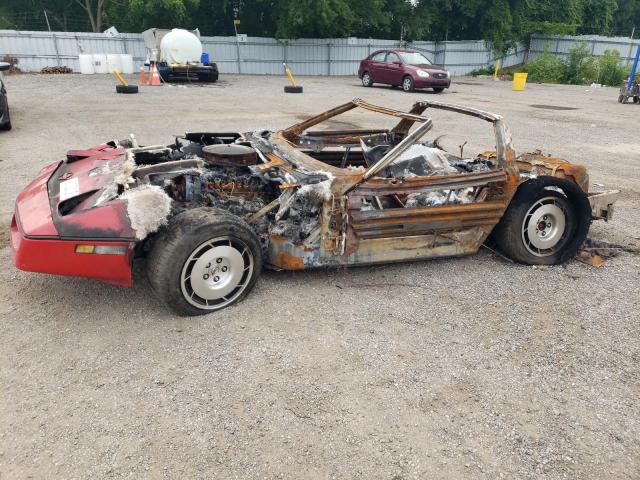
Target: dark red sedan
(406, 68)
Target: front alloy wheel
(366, 80)
(205, 259)
(216, 273)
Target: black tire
(292, 89)
(438, 89)
(188, 241)
(367, 80)
(126, 88)
(407, 84)
(535, 197)
(620, 98)
(636, 99)
(7, 125)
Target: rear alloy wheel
(544, 226)
(407, 84)
(367, 81)
(546, 222)
(203, 261)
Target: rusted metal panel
(379, 186)
(537, 163)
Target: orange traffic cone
(143, 77)
(155, 76)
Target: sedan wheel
(366, 80)
(407, 84)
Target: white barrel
(127, 63)
(86, 63)
(100, 63)
(114, 62)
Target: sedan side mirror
(4, 66)
(397, 62)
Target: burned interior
(301, 186)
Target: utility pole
(236, 22)
(55, 40)
(49, 26)
(633, 30)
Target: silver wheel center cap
(546, 226)
(217, 272)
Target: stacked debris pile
(56, 70)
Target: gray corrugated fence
(560, 45)
(257, 55)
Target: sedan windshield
(414, 58)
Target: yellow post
(122, 81)
(497, 70)
(291, 79)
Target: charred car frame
(209, 210)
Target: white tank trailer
(178, 55)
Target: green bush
(610, 69)
(580, 66)
(483, 71)
(545, 69)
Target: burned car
(208, 211)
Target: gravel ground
(460, 368)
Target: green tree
(138, 15)
(500, 22)
(626, 17)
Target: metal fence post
(238, 53)
(55, 44)
(444, 54)
(284, 51)
(630, 51)
(329, 59)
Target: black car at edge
(5, 120)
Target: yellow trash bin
(519, 81)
